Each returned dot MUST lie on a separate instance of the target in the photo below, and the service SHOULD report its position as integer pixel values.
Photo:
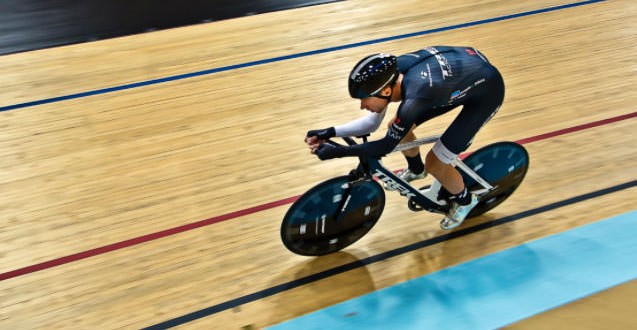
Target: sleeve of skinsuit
(407, 115)
(361, 126)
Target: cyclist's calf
(448, 176)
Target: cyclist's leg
(481, 105)
(408, 138)
(442, 170)
(412, 155)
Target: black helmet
(372, 74)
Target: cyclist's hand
(329, 151)
(321, 134)
(314, 138)
(313, 142)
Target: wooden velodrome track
(103, 194)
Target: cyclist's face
(374, 104)
(377, 104)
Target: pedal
(413, 206)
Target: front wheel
(503, 165)
(332, 215)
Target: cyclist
(427, 83)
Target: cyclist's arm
(361, 126)
(408, 111)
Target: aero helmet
(372, 74)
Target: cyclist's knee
(413, 152)
(440, 154)
(410, 136)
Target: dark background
(34, 24)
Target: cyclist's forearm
(361, 126)
(376, 148)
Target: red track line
(240, 213)
(577, 128)
(143, 239)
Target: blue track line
(288, 57)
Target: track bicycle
(338, 212)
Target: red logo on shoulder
(470, 51)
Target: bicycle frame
(426, 198)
